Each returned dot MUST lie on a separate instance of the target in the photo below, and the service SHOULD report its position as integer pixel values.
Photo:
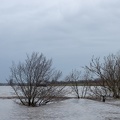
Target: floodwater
(71, 109)
(9, 110)
(62, 110)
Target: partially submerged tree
(85, 86)
(31, 80)
(108, 72)
(73, 79)
(78, 83)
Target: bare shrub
(78, 83)
(31, 80)
(108, 72)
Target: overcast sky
(68, 31)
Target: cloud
(69, 31)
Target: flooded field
(9, 110)
(71, 109)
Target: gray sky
(68, 31)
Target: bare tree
(31, 80)
(73, 79)
(85, 86)
(108, 72)
(96, 88)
